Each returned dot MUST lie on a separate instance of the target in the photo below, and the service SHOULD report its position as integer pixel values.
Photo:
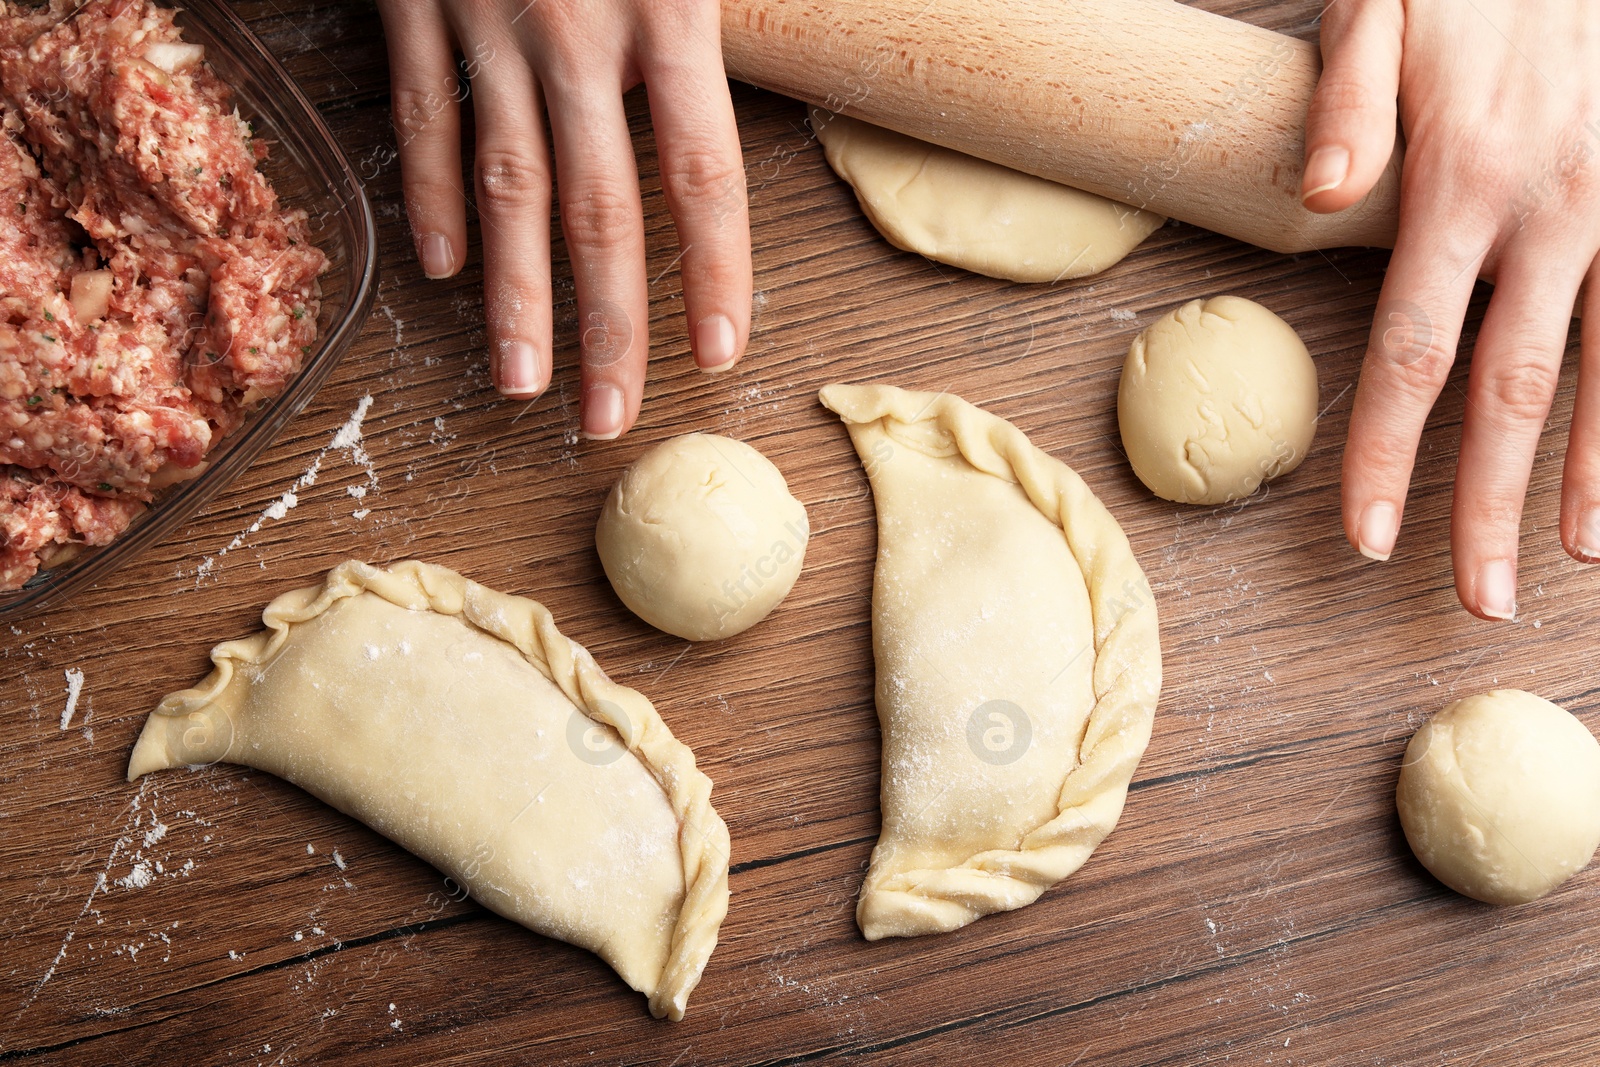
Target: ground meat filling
(152, 291)
(46, 519)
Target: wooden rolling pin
(1150, 102)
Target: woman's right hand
(575, 59)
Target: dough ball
(701, 536)
(1217, 397)
(974, 214)
(1500, 796)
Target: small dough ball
(1217, 397)
(701, 536)
(1499, 796)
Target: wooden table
(1256, 905)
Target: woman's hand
(1499, 101)
(574, 59)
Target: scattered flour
(396, 323)
(346, 439)
(140, 876)
(100, 882)
(74, 689)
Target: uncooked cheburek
(1018, 662)
(460, 723)
(974, 214)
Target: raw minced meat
(152, 290)
(39, 518)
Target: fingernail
(714, 343)
(1326, 169)
(519, 369)
(1589, 534)
(1497, 589)
(1376, 531)
(438, 261)
(602, 412)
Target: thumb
(1350, 129)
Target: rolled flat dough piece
(701, 536)
(459, 723)
(1217, 396)
(974, 214)
(1018, 662)
(1499, 796)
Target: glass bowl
(309, 172)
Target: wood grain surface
(1257, 904)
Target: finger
(512, 166)
(1580, 477)
(426, 109)
(1350, 128)
(603, 221)
(1415, 329)
(1514, 369)
(702, 174)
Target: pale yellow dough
(701, 536)
(458, 722)
(1217, 396)
(1018, 662)
(974, 214)
(1499, 796)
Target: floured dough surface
(1499, 796)
(459, 723)
(701, 537)
(1017, 660)
(948, 590)
(1217, 396)
(974, 214)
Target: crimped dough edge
(1126, 677)
(527, 626)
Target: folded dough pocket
(1017, 656)
(459, 723)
